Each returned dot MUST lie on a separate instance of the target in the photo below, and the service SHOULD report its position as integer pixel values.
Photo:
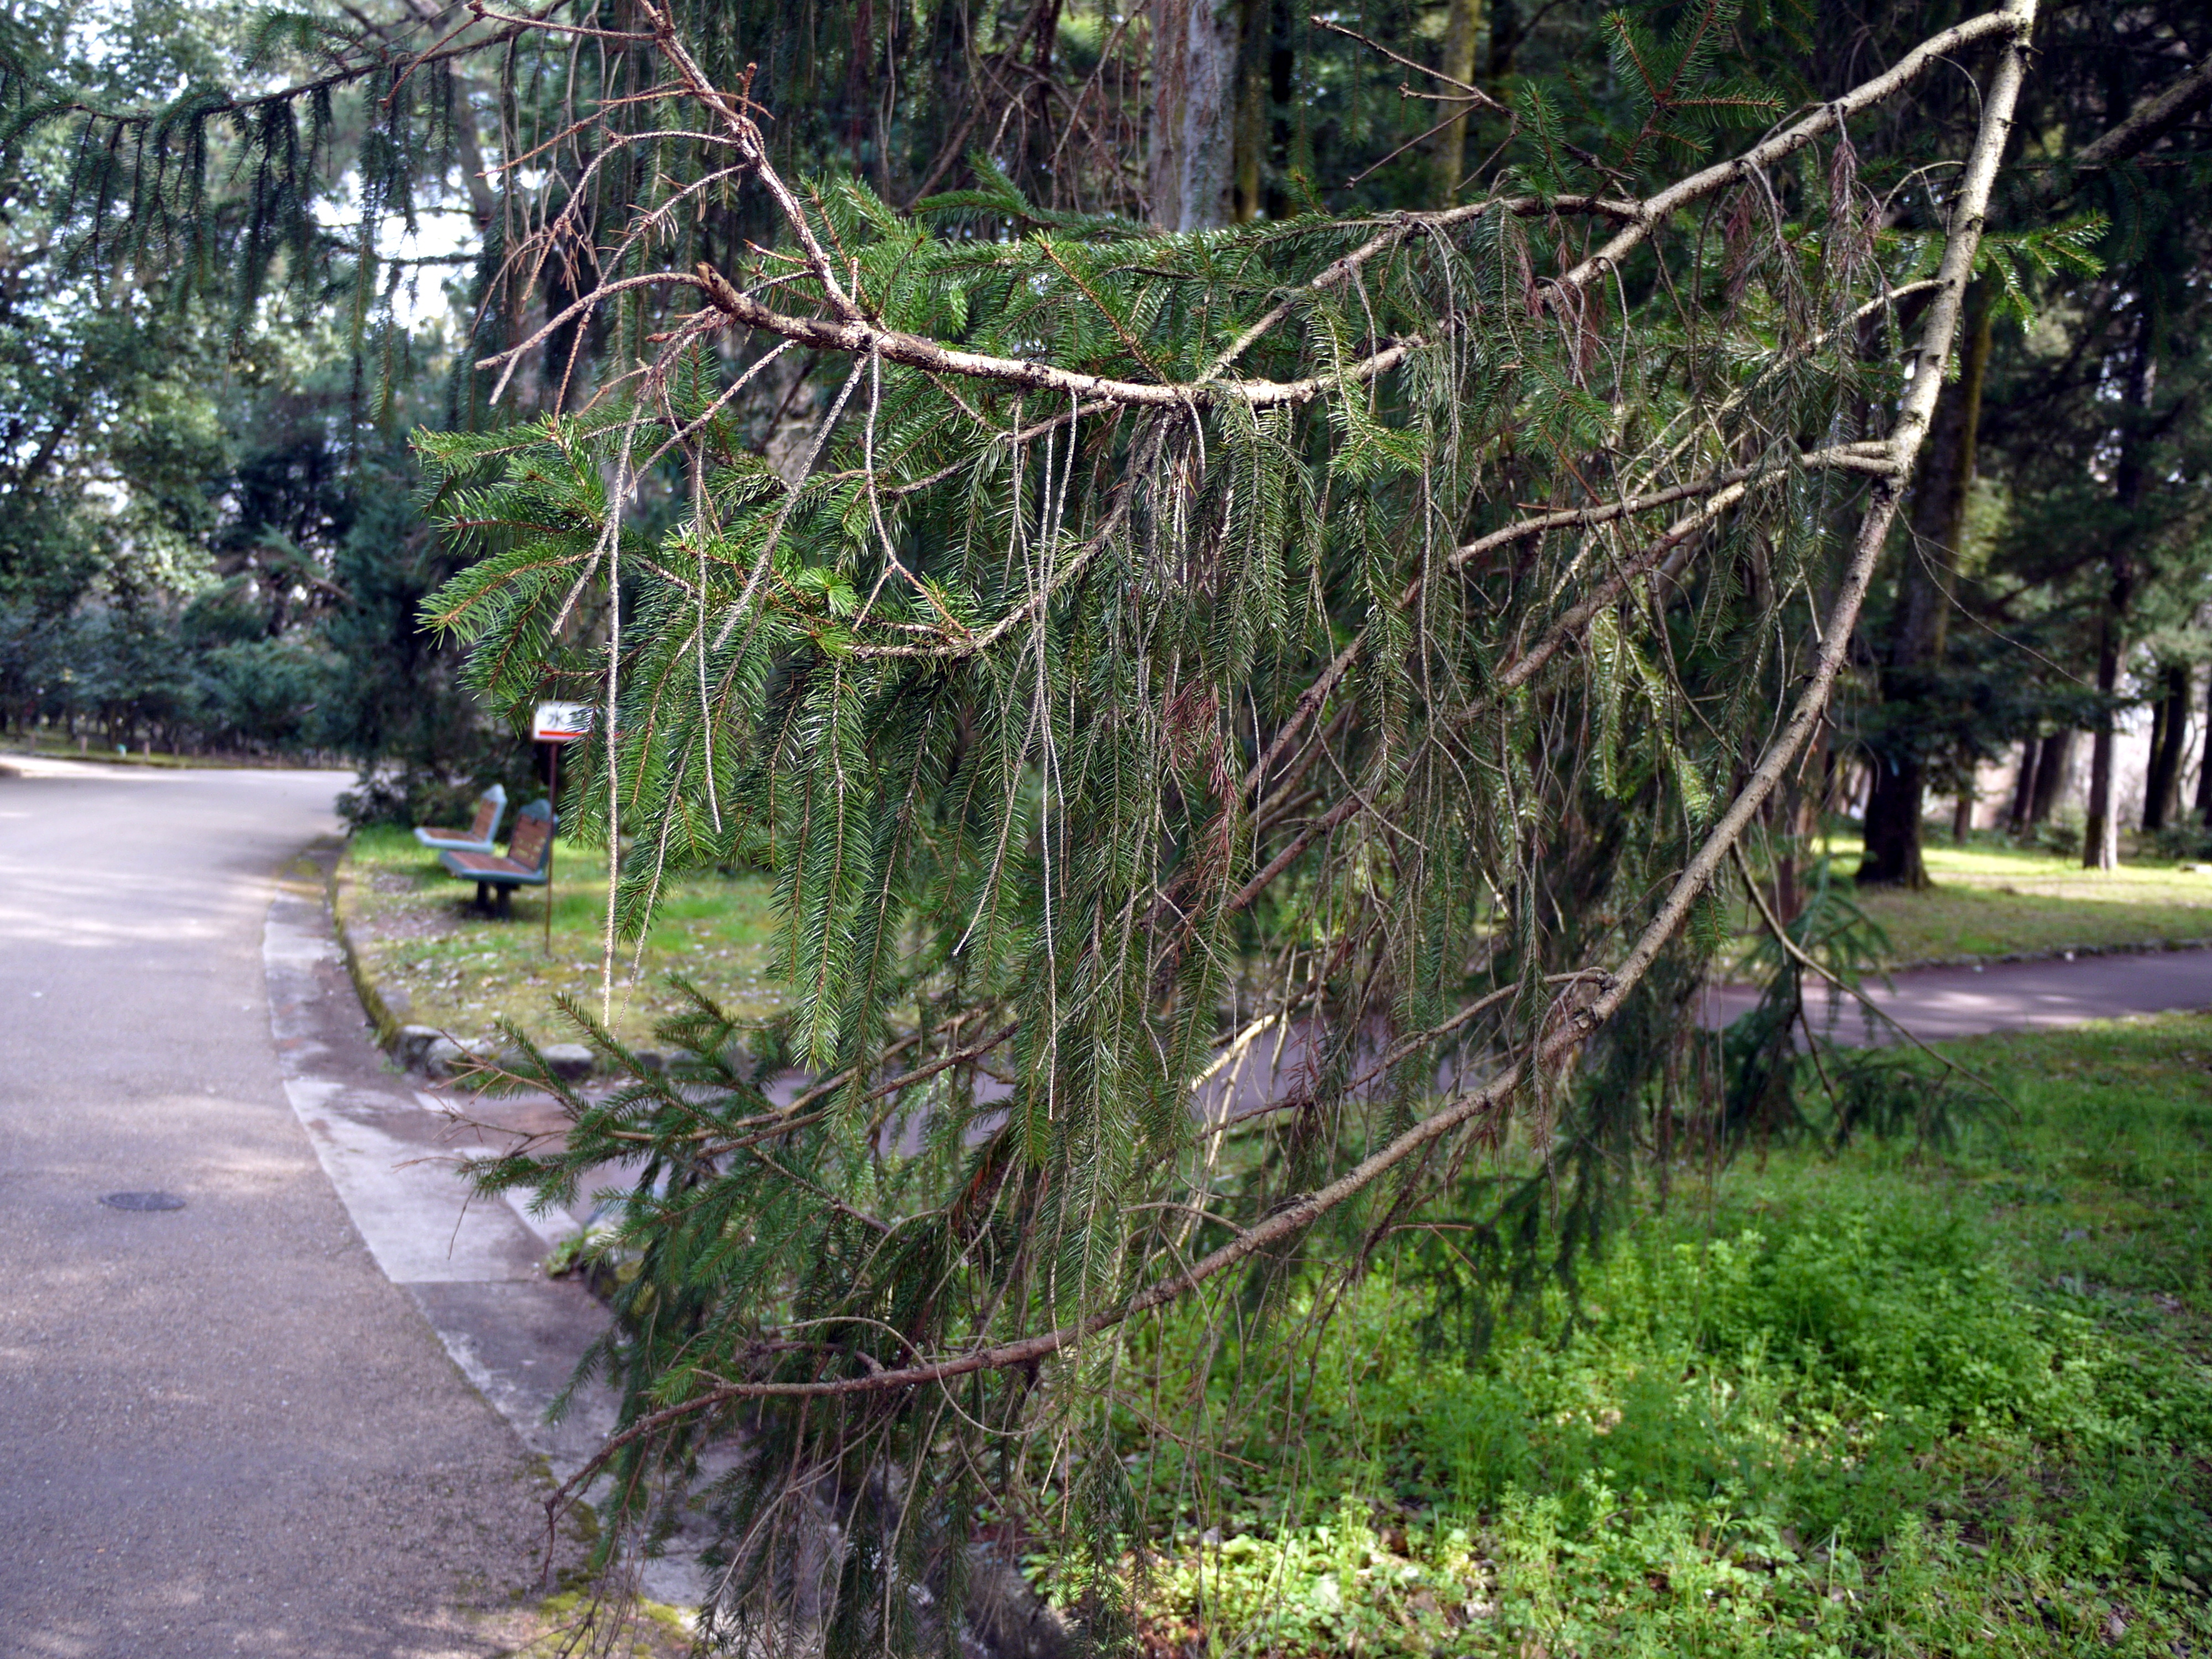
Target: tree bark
(2169, 731)
(1463, 29)
(2051, 776)
(2100, 835)
(2205, 766)
(1797, 814)
(2101, 841)
(1193, 82)
(1892, 829)
(2150, 813)
(1252, 30)
(1922, 623)
(2023, 786)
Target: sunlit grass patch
(1989, 899)
(462, 972)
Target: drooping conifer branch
(1902, 445)
(1133, 487)
(850, 331)
(1141, 652)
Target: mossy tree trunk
(1463, 31)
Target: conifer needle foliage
(1244, 726)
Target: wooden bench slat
(488, 864)
(526, 848)
(526, 864)
(478, 836)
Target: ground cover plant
(1891, 1399)
(413, 928)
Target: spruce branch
(1466, 616)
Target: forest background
(209, 541)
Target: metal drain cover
(143, 1201)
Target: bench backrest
(531, 843)
(492, 806)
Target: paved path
(272, 1422)
(1938, 1003)
(474, 1269)
(1933, 1004)
(226, 1431)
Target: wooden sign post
(559, 723)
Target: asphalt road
(1935, 1004)
(226, 1431)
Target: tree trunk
(1193, 82)
(2051, 776)
(1921, 622)
(2169, 731)
(2100, 842)
(1892, 829)
(2023, 786)
(1463, 27)
(1962, 815)
(2100, 835)
(2150, 813)
(1282, 93)
(1252, 30)
(1798, 816)
(2205, 766)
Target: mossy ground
(414, 928)
(572, 1623)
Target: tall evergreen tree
(2114, 112)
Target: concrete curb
(373, 1001)
(475, 1269)
(424, 1049)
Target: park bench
(492, 806)
(528, 862)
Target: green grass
(413, 927)
(462, 973)
(1992, 900)
(1873, 1404)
